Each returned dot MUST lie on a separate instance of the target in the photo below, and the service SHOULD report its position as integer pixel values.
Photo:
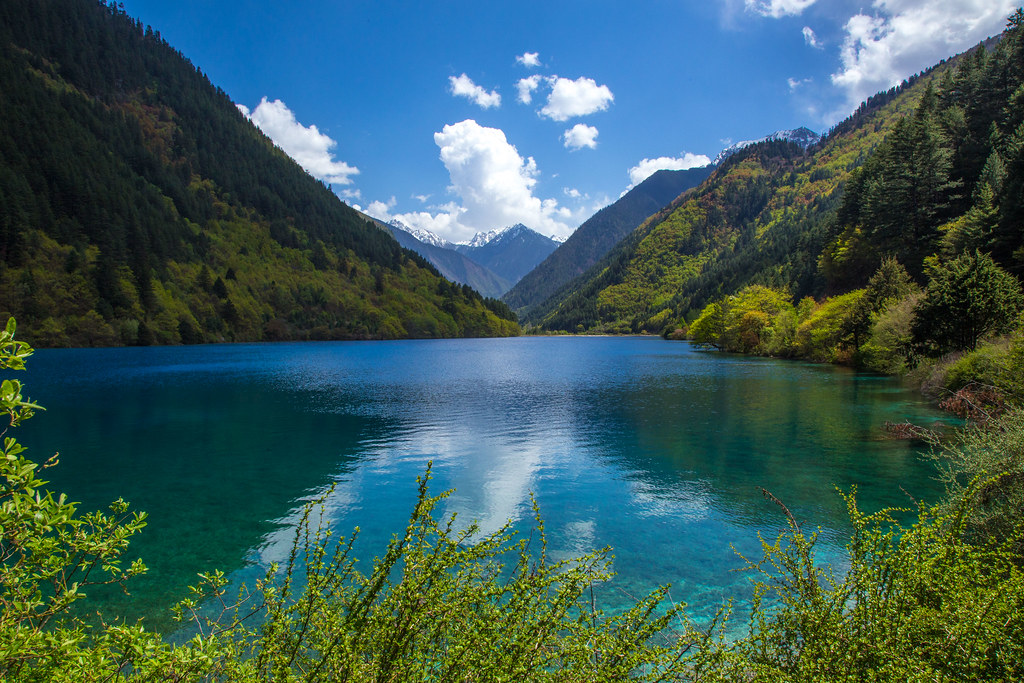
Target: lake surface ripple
(654, 448)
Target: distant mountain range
(511, 252)
(138, 206)
(598, 235)
(491, 262)
(450, 263)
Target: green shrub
(942, 600)
(889, 347)
(826, 335)
(992, 453)
(915, 604)
(707, 328)
(984, 365)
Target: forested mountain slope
(924, 172)
(598, 235)
(137, 205)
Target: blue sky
(419, 111)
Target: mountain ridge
(597, 235)
(510, 252)
(451, 264)
(139, 206)
(919, 173)
(805, 137)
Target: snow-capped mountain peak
(801, 136)
(424, 236)
(482, 238)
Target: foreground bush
(915, 604)
(938, 601)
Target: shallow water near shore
(654, 448)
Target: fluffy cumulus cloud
(778, 8)
(525, 87)
(579, 136)
(647, 167)
(811, 39)
(310, 148)
(463, 86)
(381, 210)
(903, 37)
(581, 97)
(494, 185)
(529, 59)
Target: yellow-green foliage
(758, 320)
(708, 327)
(915, 604)
(762, 321)
(999, 364)
(273, 293)
(826, 334)
(749, 222)
(889, 346)
(750, 319)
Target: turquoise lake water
(654, 448)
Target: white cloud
(906, 36)
(310, 148)
(572, 192)
(351, 194)
(575, 98)
(778, 8)
(463, 86)
(529, 59)
(579, 136)
(494, 184)
(811, 39)
(526, 86)
(381, 210)
(794, 84)
(647, 167)
(422, 197)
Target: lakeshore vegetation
(940, 599)
(894, 240)
(894, 245)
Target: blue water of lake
(654, 448)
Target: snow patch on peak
(424, 236)
(804, 137)
(497, 235)
(483, 238)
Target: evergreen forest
(782, 252)
(138, 206)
